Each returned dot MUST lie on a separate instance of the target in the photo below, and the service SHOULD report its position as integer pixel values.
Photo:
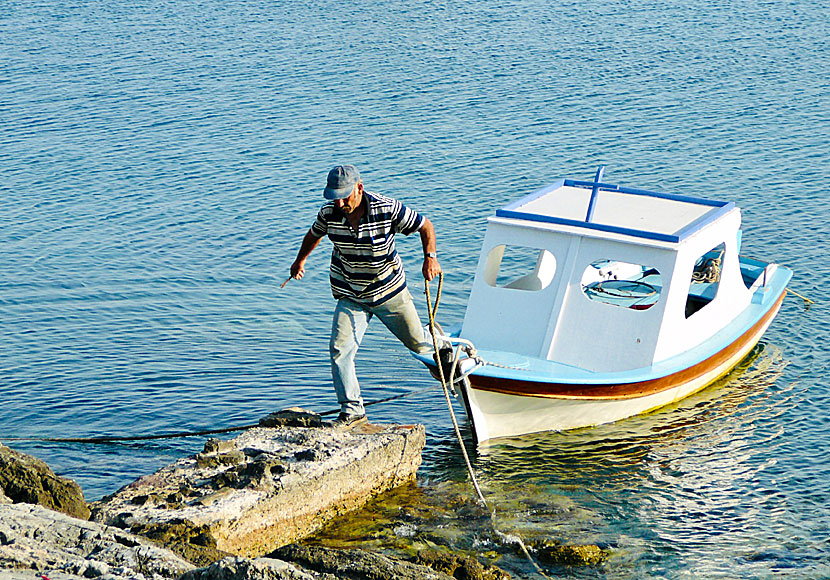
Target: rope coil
(709, 271)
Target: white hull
(501, 415)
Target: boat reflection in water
(653, 484)
(661, 481)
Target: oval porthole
(622, 284)
(519, 267)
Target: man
(366, 274)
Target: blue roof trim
(634, 191)
(588, 225)
(535, 195)
(594, 192)
(719, 208)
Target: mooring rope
(512, 538)
(182, 434)
(806, 300)
(431, 310)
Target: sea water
(160, 162)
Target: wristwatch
(430, 255)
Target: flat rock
(267, 487)
(38, 541)
(26, 479)
(295, 562)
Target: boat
(594, 302)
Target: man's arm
(431, 267)
(310, 241)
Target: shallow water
(160, 161)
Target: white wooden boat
(594, 302)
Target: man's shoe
(346, 420)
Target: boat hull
(509, 407)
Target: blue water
(160, 162)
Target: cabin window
(622, 284)
(519, 267)
(705, 280)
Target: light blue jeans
(351, 318)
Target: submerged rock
(265, 488)
(551, 552)
(459, 566)
(25, 479)
(36, 539)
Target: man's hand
(431, 268)
(310, 242)
(298, 269)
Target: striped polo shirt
(365, 265)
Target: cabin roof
(621, 210)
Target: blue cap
(341, 182)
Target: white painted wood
(560, 323)
(617, 209)
(511, 319)
(677, 333)
(498, 415)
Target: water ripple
(160, 161)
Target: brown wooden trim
(624, 390)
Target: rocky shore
(234, 511)
(266, 488)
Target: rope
(806, 300)
(709, 272)
(182, 434)
(431, 310)
(497, 365)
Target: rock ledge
(267, 487)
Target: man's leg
(348, 327)
(399, 315)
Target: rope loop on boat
(432, 309)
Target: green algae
(444, 524)
(195, 544)
(26, 479)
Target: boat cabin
(607, 278)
